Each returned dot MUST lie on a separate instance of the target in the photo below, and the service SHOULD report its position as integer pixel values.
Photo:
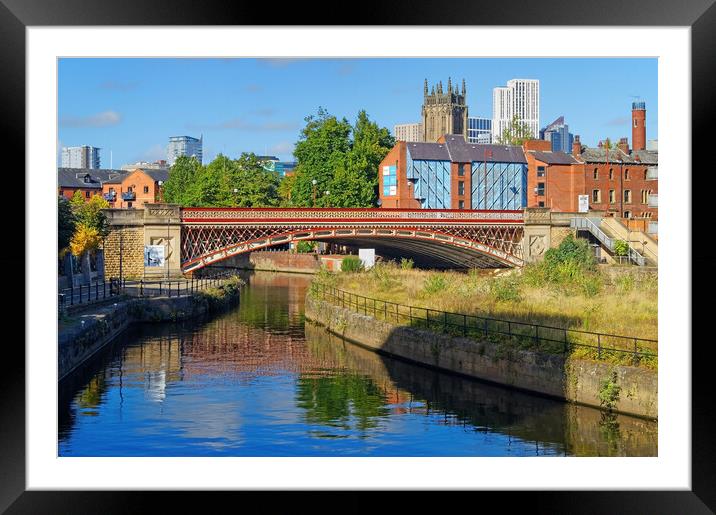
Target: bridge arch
(447, 247)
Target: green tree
(321, 149)
(65, 223)
(516, 133)
(89, 214)
(181, 186)
(346, 167)
(284, 190)
(255, 185)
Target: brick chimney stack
(576, 147)
(638, 125)
(623, 145)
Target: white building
(184, 146)
(408, 132)
(521, 99)
(81, 157)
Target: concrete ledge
(574, 380)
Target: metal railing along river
(554, 340)
(101, 290)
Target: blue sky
(132, 106)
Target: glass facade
(432, 182)
(479, 130)
(499, 185)
(390, 181)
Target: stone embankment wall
(277, 261)
(82, 340)
(570, 379)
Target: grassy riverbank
(567, 290)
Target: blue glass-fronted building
(479, 130)
(460, 175)
(557, 133)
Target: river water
(258, 380)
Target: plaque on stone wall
(154, 255)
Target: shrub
(621, 248)
(590, 284)
(434, 284)
(625, 283)
(505, 288)
(406, 264)
(304, 247)
(351, 264)
(573, 250)
(609, 391)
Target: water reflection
(258, 381)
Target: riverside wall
(574, 380)
(93, 331)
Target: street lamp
(314, 182)
(236, 190)
(161, 192)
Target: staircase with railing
(615, 229)
(592, 225)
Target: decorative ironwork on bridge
(210, 235)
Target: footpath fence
(85, 294)
(554, 340)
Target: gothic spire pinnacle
(425, 90)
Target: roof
(599, 155)
(428, 151)
(74, 177)
(158, 174)
(554, 158)
(455, 149)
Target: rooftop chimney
(638, 125)
(623, 145)
(576, 147)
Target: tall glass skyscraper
(80, 157)
(184, 146)
(558, 134)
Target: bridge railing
(86, 293)
(552, 340)
(350, 214)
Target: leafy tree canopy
(345, 167)
(65, 223)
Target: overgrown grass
(566, 290)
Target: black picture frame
(699, 15)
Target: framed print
(186, 151)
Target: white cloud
(103, 119)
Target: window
(129, 205)
(129, 189)
(390, 181)
(461, 188)
(645, 196)
(541, 203)
(626, 174)
(540, 171)
(596, 196)
(612, 196)
(611, 174)
(87, 194)
(461, 170)
(627, 196)
(635, 122)
(627, 214)
(111, 190)
(540, 188)
(146, 189)
(596, 173)
(461, 204)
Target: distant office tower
(557, 133)
(408, 132)
(479, 130)
(444, 112)
(81, 157)
(521, 99)
(184, 146)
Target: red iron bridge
(437, 238)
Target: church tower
(444, 111)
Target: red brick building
(135, 189)
(85, 180)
